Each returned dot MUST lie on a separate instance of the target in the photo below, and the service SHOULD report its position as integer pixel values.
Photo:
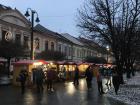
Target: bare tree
(115, 22)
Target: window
(46, 45)
(3, 35)
(77, 52)
(84, 53)
(70, 51)
(59, 48)
(37, 43)
(25, 42)
(52, 46)
(65, 50)
(74, 52)
(18, 38)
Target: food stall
(82, 67)
(68, 66)
(28, 65)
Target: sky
(57, 15)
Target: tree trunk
(128, 74)
(120, 72)
(133, 72)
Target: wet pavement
(64, 94)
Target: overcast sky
(56, 15)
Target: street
(64, 94)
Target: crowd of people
(39, 77)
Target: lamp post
(32, 29)
(107, 48)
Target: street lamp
(32, 28)
(107, 48)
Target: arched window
(59, 48)
(46, 45)
(52, 46)
(18, 38)
(25, 42)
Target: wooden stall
(28, 65)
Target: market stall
(27, 65)
(68, 66)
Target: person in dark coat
(116, 81)
(76, 76)
(50, 78)
(39, 77)
(22, 78)
(99, 82)
(89, 76)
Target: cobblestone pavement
(64, 94)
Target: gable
(14, 17)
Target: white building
(12, 21)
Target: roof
(72, 39)
(28, 62)
(5, 7)
(42, 29)
(92, 44)
(46, 31)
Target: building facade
(12, 21)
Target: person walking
(64, 74)
(50, 77)
(76, 76)
(22, 79)
(39, 77)
(89, 76)
(99, 82)
(115, 80)
(108, 77)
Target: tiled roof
(72, 39)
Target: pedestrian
(99, 82)
(22, 79)
(89, 76)
(76, 76)
(64, 74)
(50, 78)
(108, 77)
(33, 76)
(39, 77)
(115, 80)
